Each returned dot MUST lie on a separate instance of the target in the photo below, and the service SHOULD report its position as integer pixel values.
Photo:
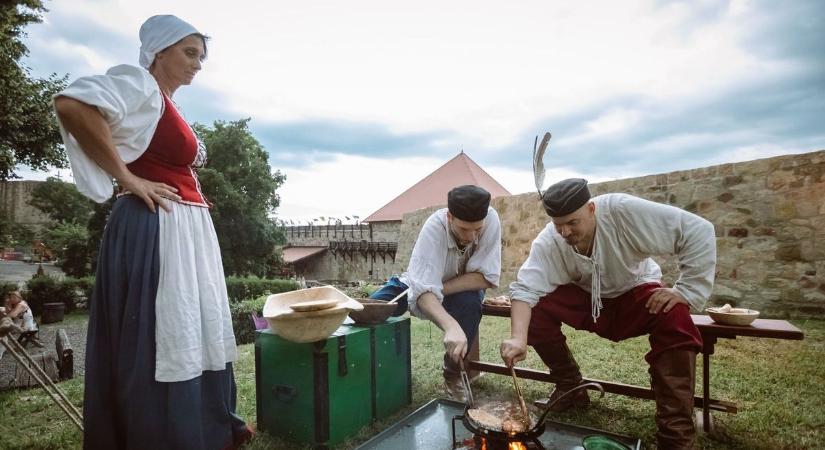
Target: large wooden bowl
(307, 326)
(374, 312)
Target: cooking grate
(429, 428)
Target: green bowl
(599, 442)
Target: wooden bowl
(737, 316)
(374, 312)
(307, 326)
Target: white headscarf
(160, 32)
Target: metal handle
(465, 380)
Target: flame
(510, 446)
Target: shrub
(5, 288)
(45, 289)
(241, 322)
(246, 288)
(81, 287)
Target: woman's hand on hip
(150, 192)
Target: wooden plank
(767, 328)
(627, 390)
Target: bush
(246, 288)
(241, 322)
(45, 289)
(82, 288)
(5, 288)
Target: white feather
(538, 161)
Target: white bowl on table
(732, 316)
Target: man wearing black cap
(591, 268)
(456, 257)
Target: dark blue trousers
(464, 307)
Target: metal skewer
(465, 380)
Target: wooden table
(711, 331)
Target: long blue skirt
(123, 406)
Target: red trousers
(621, 318)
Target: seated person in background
(591, 268)
(456, 257)
(20, 314)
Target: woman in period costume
(160, 344)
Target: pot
(530, 435)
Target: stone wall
(14, 203)
(348, 266)
(769, 216)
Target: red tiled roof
(433, 189)
(295, 254)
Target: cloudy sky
(356, 101)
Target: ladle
(398, 296)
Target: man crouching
(591, 268)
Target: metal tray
(429, 428)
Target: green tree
(15, 235)
(61, 201)
(69, 242)
(240, 183)
(67, 237)
(29, 134)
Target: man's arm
(473, 281)
(514, 349)
(455, 341)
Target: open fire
(485, 443)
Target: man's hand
(663, 300)
(455, 342)
(512, 351)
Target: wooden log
(46, 360)
(65, 355)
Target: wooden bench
(711, 332)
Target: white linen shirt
(629, 230)
(129, 99)
(436, 258)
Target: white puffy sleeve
(542, 272)
(426, 268)
(657, 229)
(129, 99)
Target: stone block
(764, 231)
(738, 232)
(788, 251)
(780, 179)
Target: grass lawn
(778, 386)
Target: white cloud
(482, 73)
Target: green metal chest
(321, 393)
